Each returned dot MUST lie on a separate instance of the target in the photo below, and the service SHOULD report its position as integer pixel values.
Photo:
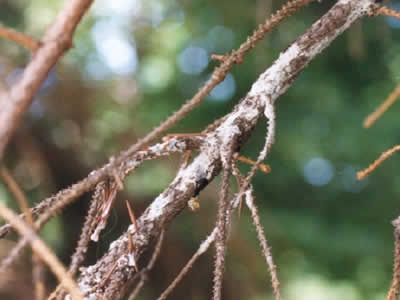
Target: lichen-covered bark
(236, 127)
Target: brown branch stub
(388, 12)
(22, 39)
(262, 167)
(371, 119)
(56, 42)
(385, 155)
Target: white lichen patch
(157, 208)
(132, 260)
(271, 81)
(95, 235)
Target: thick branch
(57, 40)
(237, 126)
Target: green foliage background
(332, 241)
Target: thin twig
(371, 119)
(269, 113)
(262, 167)
(22, 39)
(385, 155)
(17, 192)
(144, 274)
(80, 252)
(266, 251)
(41, 249)
(393, 293)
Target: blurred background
(134, 62)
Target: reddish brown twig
(371, 119)
(388, 12)
(22, 39)
(385, 155)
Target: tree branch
(236, 127)
(57, 40)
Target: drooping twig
(80, 252)
(222, 225)
(40, 248)
(269, 113)
(56, 41)
(266, 251)
(371, 119)
(144, 274)
(393, 293)
(385, 155)
(22, 39)
(81, 249)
